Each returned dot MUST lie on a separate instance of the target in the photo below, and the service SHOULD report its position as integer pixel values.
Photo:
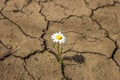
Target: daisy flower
(58, 37)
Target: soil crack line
(28, 56)
(107, 35)
(7, 54)
(63, 73)
(28, 71)
(17, 26)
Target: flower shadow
(77, 58)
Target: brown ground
(91, 50)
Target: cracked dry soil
(91, 50)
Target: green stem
(59, 53)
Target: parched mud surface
(91, 50)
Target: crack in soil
(61, 20)
(7, 54)
(63, 73)
(113, 54)
(45, 32)
(19, 27)
(30, 55)
(107, 36)
(27, 35)
(23, 59)
(28, 71)
(4, 45)
(103, 6)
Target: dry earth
(91, 50)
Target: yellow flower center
(59, 37)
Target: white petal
(63, 41)
(54, 40)
(59, 32)
(62, 35)
(60, 42)
(56, 34)
(52, 36)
